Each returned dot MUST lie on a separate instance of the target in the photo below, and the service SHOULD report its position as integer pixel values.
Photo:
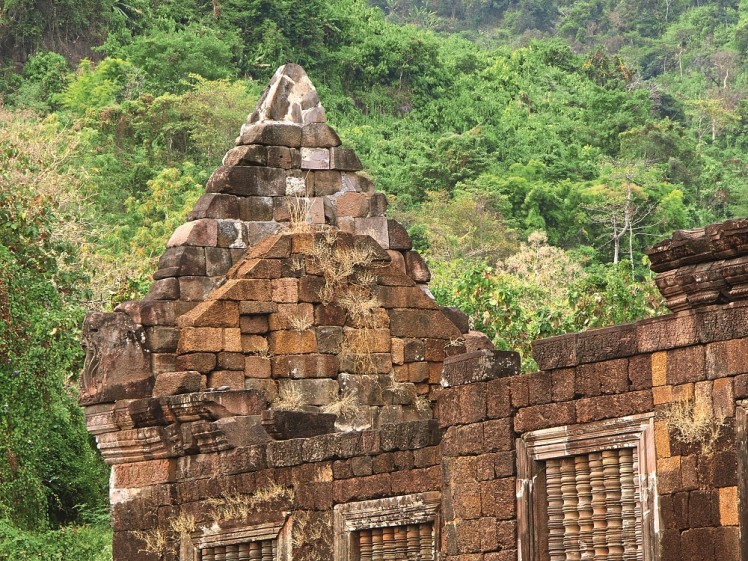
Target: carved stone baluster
(376, 545)
(584, 507)
(426, 538)
(388, 541)
(401, 543)
(599, 514)
(628, 504)
(267, 550)
(232, 553)
(638, 503)
(243, 552)
(255, 551)
(220, 553)
(555, 510)
(612, 480)
(414, 548)
(570, 509)
(364, 545)
(208, 554)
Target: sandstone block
(203, 233)
(410, 435)
(231, 361)
(212, 313)
(231, 234)
(253, 325)
(164, 289)
(142, 474)
(292, 342)
(285, 290)
(555, 352)
(271, 134)
(310, 288)
(315, 158)
(283, 157)
(544, 416)
(257, 209)
(247, 181)
(398, 235)
(163, 362)
(405, 322)
(258, 231)
(284, 425)
(257, 307)
(685, 365)
(201, 362)
(195, 289)
(161, 339)
(607, 343)
(329, 314)
(249, 155)
(245, 289)
(173, 383)
(200, 339)
(319, 135)
(352, 204)
(407, 350)
(305, 366)
(317, 392)
(479, 366)
(376, 227)
(416, 267)
(215, 205)
(608, 407)
(344, 159)
(217, 261)
(326, 182)
(403, 297)
(329, 339)
(226, 379)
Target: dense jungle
(533, 148)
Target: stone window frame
(276, 527)
(571, 440)
(741, 443)
(417, 508)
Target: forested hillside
(533, 149)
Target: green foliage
(47, 464)
(95, 87)
(83, 543)
(612, 294)
(167, 57)
(45, 75)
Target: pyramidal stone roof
(285, 151)
(287, 280)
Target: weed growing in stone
(693, 423)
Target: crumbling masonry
(289, 389)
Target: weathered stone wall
(698, 356)
(317, 473)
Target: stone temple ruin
(289, 389)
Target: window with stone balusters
(261, 550)
(411, 542)
(400, 528)
(266, 539)
(588, 492)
